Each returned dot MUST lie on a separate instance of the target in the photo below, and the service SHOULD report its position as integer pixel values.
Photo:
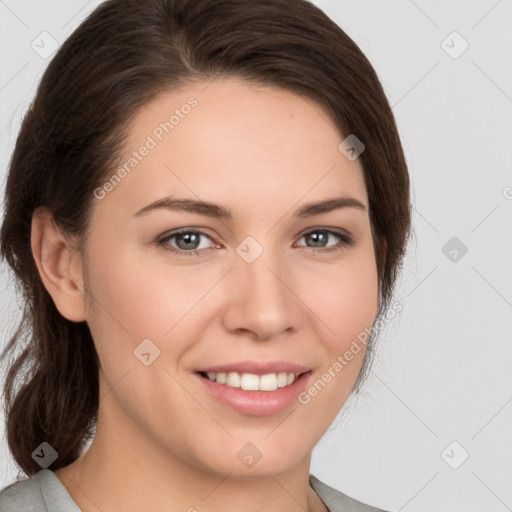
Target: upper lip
(257, 367)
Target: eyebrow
(221, 212)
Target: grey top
(44, 492)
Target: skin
(162, 442)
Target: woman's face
(264, 290)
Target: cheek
(347, 304)
(131, 302)
(145, 300)
(345, 297)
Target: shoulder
(41, 492)
(23, 494)
(336, 501)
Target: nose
(261, 299)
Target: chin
(246, 460)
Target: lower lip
(256, 403)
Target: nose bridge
(258, 265)
(261, 302)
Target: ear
(59, 265)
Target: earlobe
(59, 266)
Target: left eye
(313, 235)
(189, 241)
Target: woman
(206, 209)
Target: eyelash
(345, 241)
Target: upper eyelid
(178, 231)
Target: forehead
(237, 143)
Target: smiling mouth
(253, 382)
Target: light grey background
(443, 367)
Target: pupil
(317, 236)
(187, 237)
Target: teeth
(268, 382)
(282, 379)
(233, 380)
(252, 382)
(249, 382)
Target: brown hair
(123, 55)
